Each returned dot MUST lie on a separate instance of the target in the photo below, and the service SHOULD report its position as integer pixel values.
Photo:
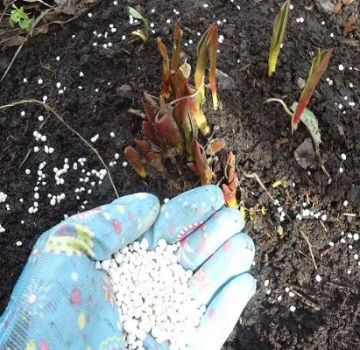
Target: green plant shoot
(318, 68)
(143, 34)
(19, 17)
(308, 118)
(278, 36)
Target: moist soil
(327, 311)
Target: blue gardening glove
(62, 302)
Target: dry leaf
(124, 88)
(16, 40)
(347, 2)
(350, 25)
(338, 7)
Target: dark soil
(327, 313)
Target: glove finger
(202, 243)
(186, 212)
(223, 312)
(102, 231)
(233, 258)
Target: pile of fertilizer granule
(153, 296)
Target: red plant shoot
(318, 68)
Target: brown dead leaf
(124, 88)
(350, 25)
(16, 40)
(74, 7)
(337, 7)
(347, 2)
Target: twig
(5, 9)
(310, 248)
(323, 226)
(324, 169)
(341, 287)
(37, 20)
(350, 214)
(327, 250)
(257, 178)
(25, 159)
(305, 299)
(60, 118)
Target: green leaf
(20, 17)
(310, 121)
(137, 15)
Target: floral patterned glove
(62, 302)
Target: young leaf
(175, 59)
(207, 51)
(318, 68)
(143, 34)
(201, 63)
(20, 17)
(150, 107)
(155, 161)
(148, 131)
(213, 47)
(143, 145)
(278, 36)
(166, 68)
(310, 121)
(308, 118)
(166, 127)
(230, 188)
(201, 166)
(135, 14)
(189, 100)
(133, 157)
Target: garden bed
(296, 306)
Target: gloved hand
(62, 302)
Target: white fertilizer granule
(152, 294)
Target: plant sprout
(232, 182)
(318, 68)
(298, 111)
(278, 36)
(143, 34)
(21, 18)
(173, 121)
